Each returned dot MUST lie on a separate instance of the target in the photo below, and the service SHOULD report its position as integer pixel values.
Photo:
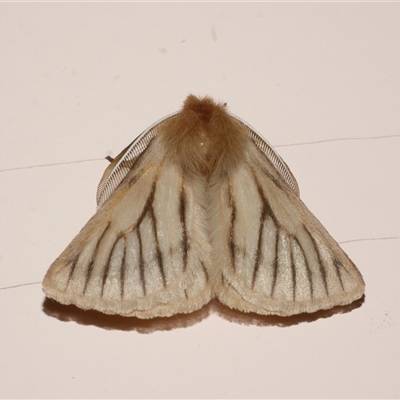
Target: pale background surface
(80, 81)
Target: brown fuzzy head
(203, 138)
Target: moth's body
(206, 210)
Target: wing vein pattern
(296, 265)
(154, 256)
(201, 207)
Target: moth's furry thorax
(203, 138)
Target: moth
(198, 207)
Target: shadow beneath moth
(199, 207)
(71, 313)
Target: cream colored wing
(276, 257)
(122, 164)
(145, 253)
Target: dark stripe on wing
(107, 267)
(91, 264)
(266, 210)
(182, 217)
(205, 271)
(231, 240)
(123, 270)
(338, 265)
(309, 272)
(273, 178)
(320, 261)
(159, 254)
(141, 263)
(265, 203)
(276, 263)
(71, 265)
(268, 174)
(148, 210)
(293, 269)
(147, 205)
(258, 254)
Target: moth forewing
(199, 206)
(285, 262)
